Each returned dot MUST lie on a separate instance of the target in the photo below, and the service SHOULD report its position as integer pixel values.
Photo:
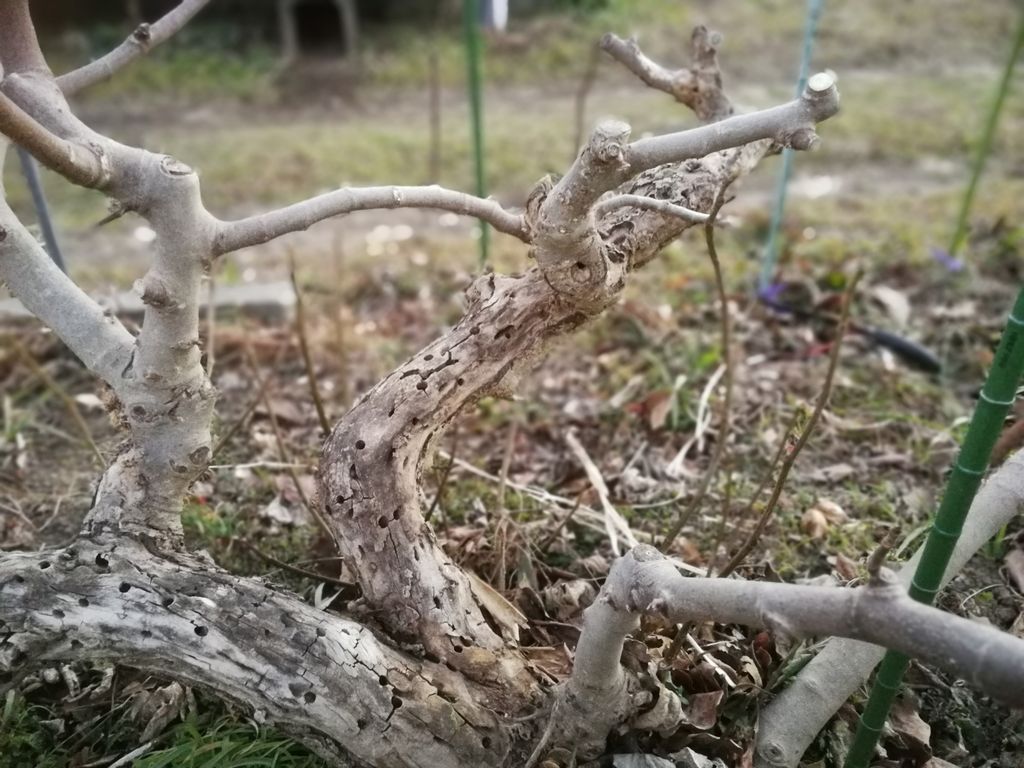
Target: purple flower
(771, 292)
(948, 260)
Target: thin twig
(260, 390)
(614, 522)
(75, 162)
(723, 433)
(337, 316)
(548, 540)
(650, 204)
(506, 462)
(805, 435)
(723, 517)
(284, 453)
(444, 476)
(264, 227)
(307, 360)
(580, 102)
(294, 568)
(141, 41)
(62, 395)
(877, 558)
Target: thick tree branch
(328, 681)
(19, 48)
(294, 218)
(140, 42)
(567, 240)
(790, 125)
(882, 612)
(791, 722)
(166, 396)
(73, 161)
(95, 337)
(370, 467)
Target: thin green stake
(986, 423)
(985, 147)
(471, 29)
(771, 247)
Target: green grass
(226, 743)
(213, 738)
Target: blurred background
(273, 102)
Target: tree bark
(426, 679)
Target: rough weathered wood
(330, 682)
(371, 462)
(425, 679)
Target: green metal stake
(986, 423)
(471, 29)
(771, 248)
(985, 147)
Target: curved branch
(882, 613)
(628, 53)
(140, 42)
(568, 246)
(97, 338)
(790, 125)
(329, 681)
(698, 87)
(72, 161)
(19, 48)
(299, 216)
(650, 204)
(789, 724)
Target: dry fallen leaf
(907, 723)
(833, 473)
(845, 568)
(703, 710)
(507, 616)
(832, 511)
(567, 599)
(1014, 562)
(814, 523)
(895, 302)
(554, 661)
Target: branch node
(821, 82)
(143, 34)
(608, 142)
(153, 293)
(174, 167)
(878, 574)
(804, 139)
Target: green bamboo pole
(771, 246)
(471, 30)
(986, 423)
(985, 147)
